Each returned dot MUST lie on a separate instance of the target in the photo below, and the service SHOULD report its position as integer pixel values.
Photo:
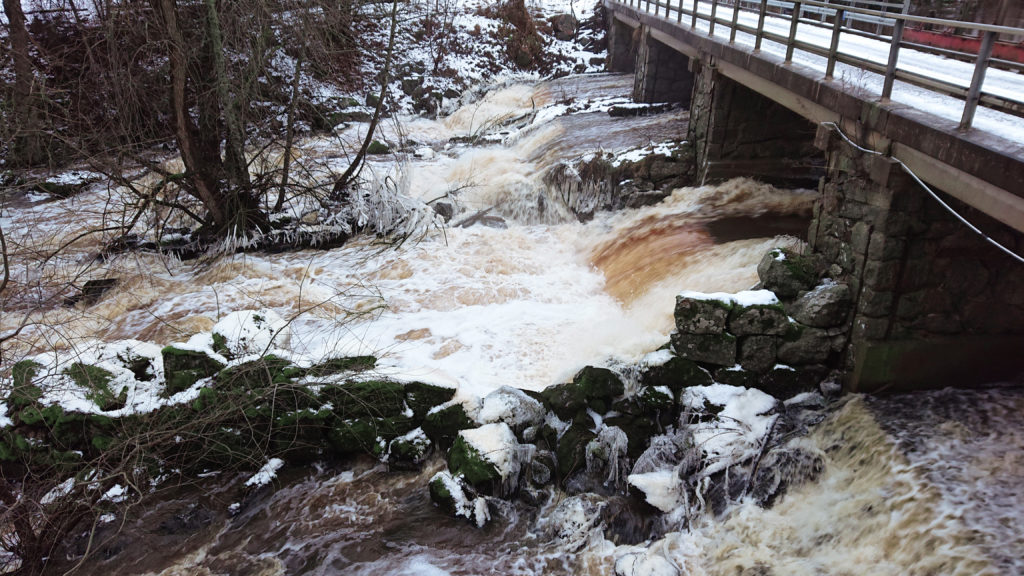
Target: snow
(744, 298)
(662, 489)
(1002, 83)
(498, 445)
(266, 474)
(739, 429)
(474, 509)
(253, 331)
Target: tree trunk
(27, 144)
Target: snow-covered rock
(247, 332)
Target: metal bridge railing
(838, 17)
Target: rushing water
(921, 485)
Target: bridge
(917, 151)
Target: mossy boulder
(24, 391)
(488, 458)
(656, 398)
(421, 397)
(455, 496)
(677, 373)
(719, 349)
(787, 273)
(260, 373)
(343, 364)
(572, 450)
(96, 383)
(409, 451)
(378, 147)
(513, 407)
(183, 368)
(368, 398)
(443, 425)
(367, 435)
(591, 387)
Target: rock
(805, 346)
(408, 452)
(513, 407)
(378, 147)
(453, 495)
(443, 425)
(444, 209)
(564, 26)
(787, 273)
(343, 364)
(606, 459)
(759, 320)
(183, 368)
(259, 373)
(826, 306)
(656, 399)
(632, 110)
(572, 450)
(422, 397)
(701, 316)
(782, 468)
(736, 376)
(666, 369)
(488, 458)
(248, 332)
(368, 435)
(757, 353)
(369, 398)
(784, 382)
(591, 387)
(95, 381)
(93, 290)
(717, 349)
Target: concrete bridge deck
(982, 166)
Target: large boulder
(421, 397)
(564, 26)
(787, 273)
(826, 306)
(443, 423)
(513, 407)
(488, 458)
(591, 387)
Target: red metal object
(1002, 50)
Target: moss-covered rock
(260, 373)
(591, 387)
(183, 368)
(736, 376)
(367, 435)
(409, 451)
(96, 382)
(344, 364)
(656, 398)
(24, 391)
(677, 373)
(787, 273)
(465, 459)
(368, 398)
(572, 450)
(443, 425)
(378, 147)
(455, 496)
(422, 397)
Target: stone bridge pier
(934, 303)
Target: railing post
(894, 55)
(791, 41)
(974, 92)
(833, 49)
(693, 22)
(714, 11)
(735, 20)
(679, 15)
(760, 25)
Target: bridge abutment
(661, 73)
(935, 304)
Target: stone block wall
(916, 273)
(662, 74)
(738, 132)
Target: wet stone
(695, 316)
(757, 353)
(717, 349)
(811, 346)
(761, 320)
(823, 307)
